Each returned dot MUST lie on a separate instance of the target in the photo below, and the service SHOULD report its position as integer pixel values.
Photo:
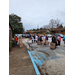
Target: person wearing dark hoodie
(41, 40)
(54, 40)
(34, 38)
(46, 40)
(46, 37)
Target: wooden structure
(10, 32)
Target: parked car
(18, 35)
(49, 35)
(27, 35)
(59, 34)
(23, 35)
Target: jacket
(40, 38)
(16, 39)
(59, 38)
(46, 37)
(64, 38)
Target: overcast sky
(38, 12)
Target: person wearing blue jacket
(64, 39)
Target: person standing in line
(46, 40)
(64, 39)
(59, 39)
(55, 40)
(46, 37)
(32, 38)
(41, 41)
(36, 38)
(16, 40)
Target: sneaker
(41, 46)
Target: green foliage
(35, 29)
(10, 45)
(41, 28)
(10, 48)
(16, 23)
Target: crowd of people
(40, 38)
(55, 39)
(35, 38)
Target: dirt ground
(20, 62)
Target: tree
(52, 23)
(34, 29)
(61, 26)
(58, 23)
(37, 29)
(41, 28)
(16, 23)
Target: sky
(37, 13)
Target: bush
(10, 48)
(10, 45)
(13, 42)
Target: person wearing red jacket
(59, 39)
(16, 39)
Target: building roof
(55, 29)
(11, 26)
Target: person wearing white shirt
(36, 38)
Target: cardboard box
(21, 45)
(20, 40)
(43, 41)
(47, 42)
(38, 43)
(52, 45)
